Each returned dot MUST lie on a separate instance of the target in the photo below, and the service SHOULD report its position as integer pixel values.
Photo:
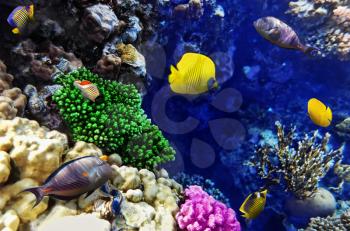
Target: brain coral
(115, 122)
(201, 212)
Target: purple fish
(20, 16)
(279, 33)
(73, 179)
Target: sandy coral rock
(86, 222)
(7, 108)
(35, 151)
(5, 166)
(134, 195)
(81, 149)
(115, 159)
(60, 209)
(136, 214)
(132, 57)
(19, 100)
(108, 66)
(165, 220)
(99, 22)
(126, 178)
(22, 203)
(9, 221)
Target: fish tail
(31, 11)
(173, 75)
(15, 30)
(38, 192)
(309, 50)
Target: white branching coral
(297, 164)
(327, 24)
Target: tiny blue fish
(74, 178)
(20, 16)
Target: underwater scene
(174, 115)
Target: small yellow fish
(319, 113)
(254, 204)
(194, 74)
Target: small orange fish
(88, 89)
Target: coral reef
(327, 24)
(202, 212)
(115, 122)
(206, 184)
(299, 164)
(12, 101)
(335, 223)
(343, 129)
(41, 61)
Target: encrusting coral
(12, 101)
(300, 164)
(202, 212)
(327, 24)
(115, 122)
(333, 223)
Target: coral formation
(335, 223)
(299, 164)
(12, 101)
(206, 184)
(327, 24)
(115, 122)
(202, 212)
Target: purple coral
(202, 212)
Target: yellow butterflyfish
(194, 74)
(319, 113)
(254, 204)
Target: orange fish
(88, 89)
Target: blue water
(286, 80)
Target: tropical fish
(73, 179)
(194, 74)
(279, 33)
(20, 16)
(319, 113)
(88, 89)
(254, 204)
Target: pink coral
(202, 212)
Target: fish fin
(31, 12)
(89, 193)
(312, 51)
(274, 34)
(15, 31)
(61, 167)
(38, 192)
(174, 74)
(212, 84)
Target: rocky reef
(327, 24)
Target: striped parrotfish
(279, 33)
(254, 204)
(20, 16)
(88, 89)
(194, 74)
(74, 178)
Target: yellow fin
(15, 31)
(319, 113)
(31, 11)
(173, 75)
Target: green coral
(115, 122)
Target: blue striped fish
(20, 16)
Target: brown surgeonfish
(73, 179)
(279, 33)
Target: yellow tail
(173, 75)
(15, 31)
(31, 11)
